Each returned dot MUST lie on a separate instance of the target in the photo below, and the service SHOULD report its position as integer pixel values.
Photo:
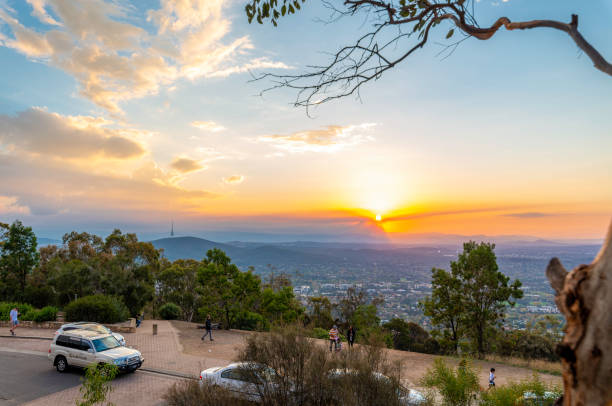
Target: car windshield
(106, 343)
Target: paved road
(24, 377)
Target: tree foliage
(445, 306)
(18, 256)
(409, 336)
(97, 384)
(471, 299)
(398, 29)
(486, 291)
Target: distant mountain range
(317, 254)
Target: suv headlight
(120, 361)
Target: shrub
(321, 333)
(457, 387)
(97, 384)
(170, 311)
(188, 393)
(527, 344)
(307, 374)
(47, 313)
(23, 308)
(98, 308)
(513, 393)
(251, 321)
(30, 315)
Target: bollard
(154, 329)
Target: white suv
(86, 325)
(81, 348)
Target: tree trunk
(584, 297)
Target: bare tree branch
(371, 55)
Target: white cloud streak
(329, 139)
(114, 59)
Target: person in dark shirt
(208, 326)
(350, 336)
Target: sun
(378, 217)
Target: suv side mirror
(90, 350)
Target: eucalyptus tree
(18, 256)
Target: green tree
(445, 306)
(353, 299)
(178, 283)
(18, 256)
(365, 319)
(226, 291)
(486, 291)
(409, 336)
(130, 266)
(280, 305)
(320, 312)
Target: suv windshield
(106, 343)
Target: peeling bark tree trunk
(584, 297)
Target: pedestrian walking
(492, 378)
(14, 317)
(208, 326)
(333, 337)
(350, 336)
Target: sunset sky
(131, 115)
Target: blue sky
(517, 124)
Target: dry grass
(190, 393)
(542, 366)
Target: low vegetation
(457, 387)
(189, 393)
(97, 384)
(170, 311)
(28, 312)
(98, 308)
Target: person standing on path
(208, 326)
(492, 378)
(350, 336)
(333, 337)
(13, 316)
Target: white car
(407, 397)
(243, 379)
(87, 325)
(81, 348)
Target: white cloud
(10, 205)
(186, 165)
(328, 139)
(113, 59)
(36, 131)
(39, 11)
(234, 179)
(208, 126)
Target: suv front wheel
(61, 364)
